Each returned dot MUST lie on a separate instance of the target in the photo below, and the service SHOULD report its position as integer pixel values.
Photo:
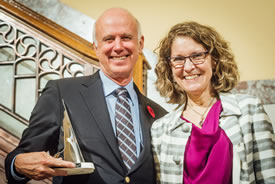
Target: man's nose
(118, 45)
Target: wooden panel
(140, 72)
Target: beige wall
(248, 25)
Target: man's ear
(141, 44)
(95, 48)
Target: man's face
(118, 45)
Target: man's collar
(109, 86)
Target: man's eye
(126, 38)
(108, 39)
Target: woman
(213, 136)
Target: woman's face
(194, 79)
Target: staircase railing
(34, 50)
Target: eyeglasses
(196, 59)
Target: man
(92, 101)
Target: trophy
(72, 150)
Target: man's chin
(121, 70)
(122, 78)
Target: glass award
(72, 150)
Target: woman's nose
(188, 65)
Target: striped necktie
(125, 129)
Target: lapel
(93, 96)
(146, 121)
(230, 122)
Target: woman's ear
(214, 65)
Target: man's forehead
(117, 27)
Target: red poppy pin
(151, 111)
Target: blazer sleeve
(263, 146)
(43, 131)
(156, 133)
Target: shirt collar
(109, 86)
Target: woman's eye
(177, 59)
(197, 56)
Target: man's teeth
(191, 77)
(119, 58)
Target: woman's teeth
(189, 77)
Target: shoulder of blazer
(146, 103)
(230, 104)
(234, 103)
(84, 80)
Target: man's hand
(39, 165)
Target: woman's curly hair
(225, 74)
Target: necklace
(202, 115)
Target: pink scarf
(209, 152)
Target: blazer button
(185, 128)
(176, 159)
(127, 179)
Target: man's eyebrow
(112, 36)
(127, 35)
(107, 37)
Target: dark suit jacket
(85, 100)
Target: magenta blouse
(209, 152)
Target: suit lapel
(145, 121)
(93, 96)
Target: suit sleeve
(43, 131)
